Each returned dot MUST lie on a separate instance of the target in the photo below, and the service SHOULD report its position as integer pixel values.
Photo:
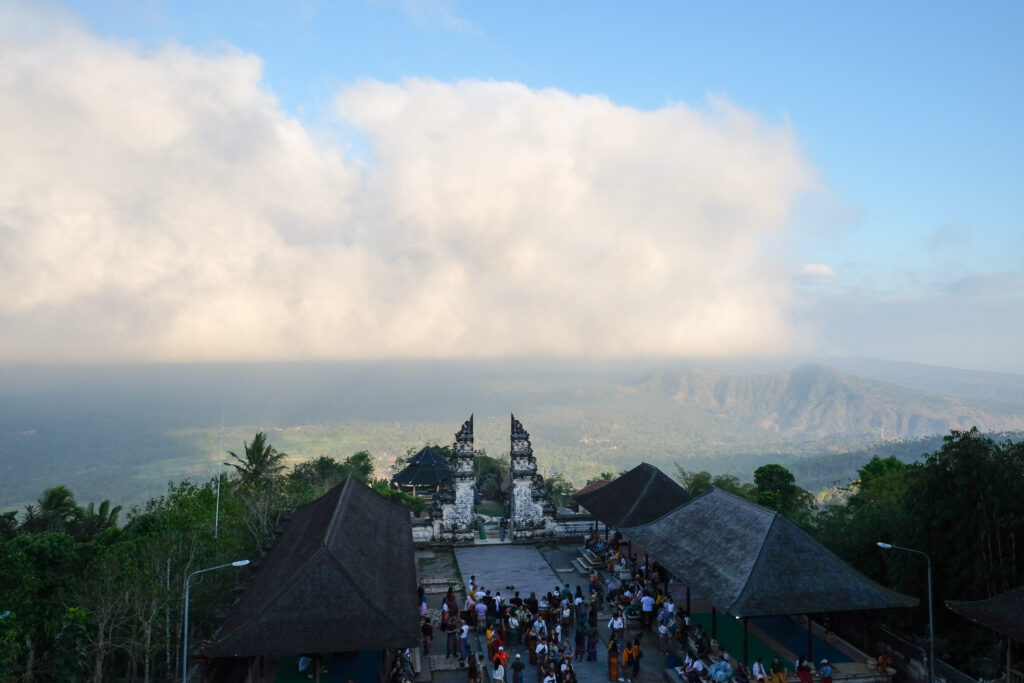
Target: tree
(360, 465)
(69, 647)
(965, 507)
(260, 485)
(105, 594)
(775, 487)
(490, 474)
(320, 474)
(259, 463)
(872, 513)
(91, 520)
(8, 525)
(561, 489)
(55, 510)
(695, 483)
(415, 503)
(10, 648)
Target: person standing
(581, 640)
(517, 670)
(428, 635)
(499, 672)
(502, 526)
(635, 653)
(803, 669)
(592, 644)
(825, 671)
(647, 610)
(617, 625)
(464, 633)
(613, 659)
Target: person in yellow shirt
(778, 671)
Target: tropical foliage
(82, 598)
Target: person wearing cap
(501, 656)
(517, 670)
(825, 672)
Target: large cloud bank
(162, 206)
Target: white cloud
(161, 206)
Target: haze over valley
(123, 432)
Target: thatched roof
(341, 576)
(750, 561)
(426, 468)
(639, 496)
(1003, 613)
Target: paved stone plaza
(498, 566)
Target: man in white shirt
(695, 672)
(617, 624)
(465, 640)
(647, 610)
(541, 649)
(758, 671)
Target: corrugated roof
(341, 576)
(1003, 613)
(750, 561)
(639, 496)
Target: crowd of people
(558, 629)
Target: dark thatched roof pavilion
(639, 496)
(1003, 613)
(750, 561)
(427, 469)
(340, 577)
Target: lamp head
(239, 563)
(887, 546)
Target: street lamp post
(931, 621)
(188, 585)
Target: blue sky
(901, 236)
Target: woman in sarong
(613, 660)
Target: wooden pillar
(746, 652)
(714, 623)
(810, 638)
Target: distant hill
(123, 432)
(814, 402)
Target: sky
(219, 181)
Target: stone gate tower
(530, 511)
(453, 511)
(465, 475)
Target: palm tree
(57, 508)
(92, 520)
(260, 463)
